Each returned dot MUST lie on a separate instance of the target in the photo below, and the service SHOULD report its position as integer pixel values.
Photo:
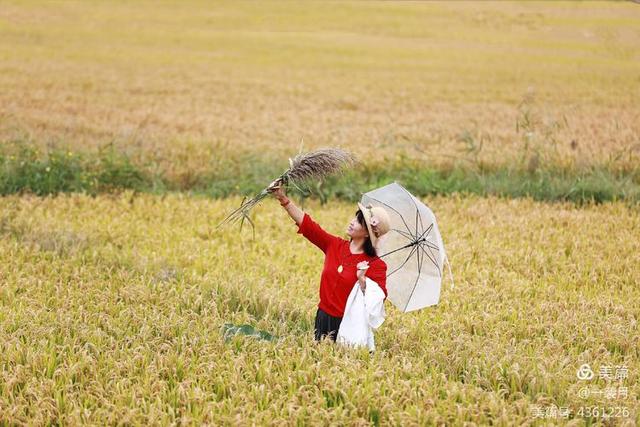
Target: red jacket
(335, 287)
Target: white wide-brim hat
(384, 222)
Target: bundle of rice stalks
(303, 168)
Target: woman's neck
(356, 246)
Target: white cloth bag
(362, 314)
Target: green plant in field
(539, 142)
(230, 330)
(24, 168)
(473, 142)
(114, 170)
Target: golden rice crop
(112, 308)
(183, 83)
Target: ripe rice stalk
(305, 167)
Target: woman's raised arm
(308, 228)
(294, 211)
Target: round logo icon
(585, 372)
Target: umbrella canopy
(412, 249)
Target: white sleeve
(374, 304)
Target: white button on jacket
(362, 314)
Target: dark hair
(368, 246)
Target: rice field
(182, 84)
(113, 309)
(115, 305)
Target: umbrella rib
(414, 204)
(421, 224)
(414, 242)
(433, 260)
(434, 256)
(431, 245)
(403, 234)
(425, 232)
(396, 250)
(413, 249)
(416, 220)
(393, 209)
(415, 284)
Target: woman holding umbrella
(345, 262)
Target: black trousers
(326, 325)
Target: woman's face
(355, 230)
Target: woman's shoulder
(377, 263)
(340, 241)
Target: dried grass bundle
(317, 165)
(305, 167)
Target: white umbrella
(412, 249)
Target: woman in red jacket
(345, 262)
